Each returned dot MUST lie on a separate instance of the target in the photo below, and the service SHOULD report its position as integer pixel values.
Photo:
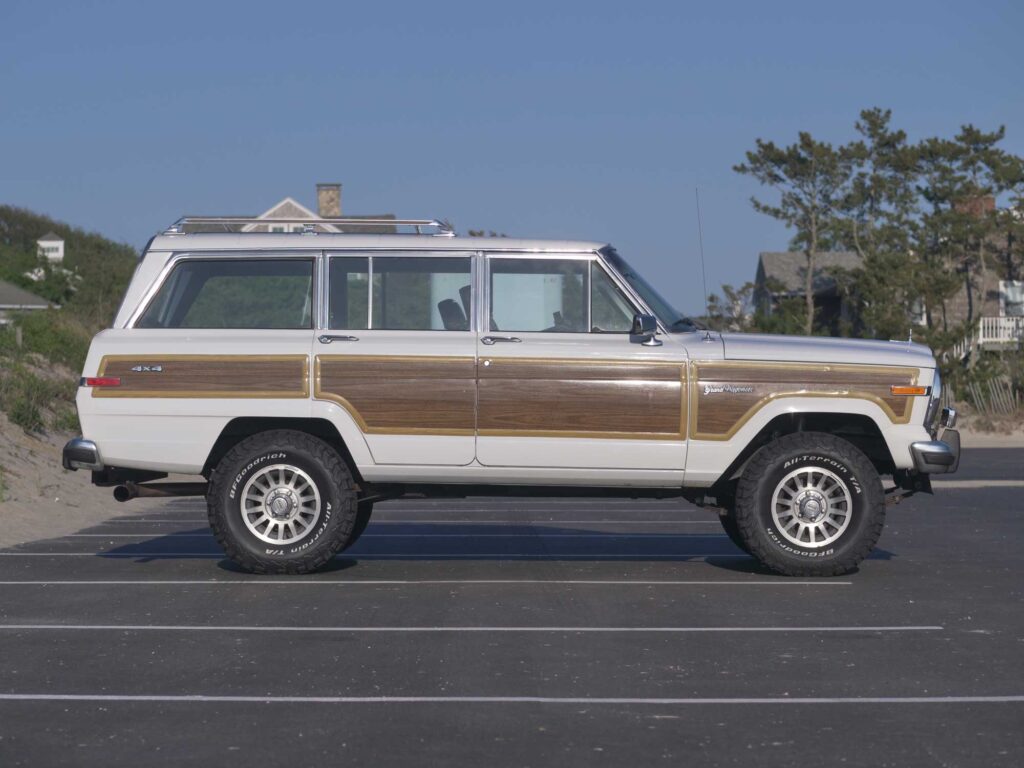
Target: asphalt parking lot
(523, 633)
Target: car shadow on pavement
(449, 541)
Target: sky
(593, 120)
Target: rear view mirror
(644, 329)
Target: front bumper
(82, 454)
(937, 457)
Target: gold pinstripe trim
(839, 393)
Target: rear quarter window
(234, 293)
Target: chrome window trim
(627, 289)
(370, 255)
(177, 258)
(321, 271)
(592, 257)
(369, 293)
(617, 282)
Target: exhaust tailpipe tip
(124, 493)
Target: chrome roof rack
(232, 223)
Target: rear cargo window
(235, 293)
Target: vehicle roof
(233, 241)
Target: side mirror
(645, 328)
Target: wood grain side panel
(209, 376)
(402, 395)
(532, 369)
(555, 398)
(727, 395)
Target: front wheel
(810, 504)
(282, 502)
(363, 514)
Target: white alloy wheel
(811, 507)
(280, 504)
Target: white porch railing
(992, 332)
(1000, 330)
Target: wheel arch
(242, 427)
(859, 429)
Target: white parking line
(400, 555)
(566, 630)
(144, 535)
(378, 520)
(150, 521)
(603, 535)
(576, 700)
(296, 581)
(472, 521)
(954, 484)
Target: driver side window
(555, 295)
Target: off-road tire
(327, 536)
(363, 514)
(728, 520)
(768, 469)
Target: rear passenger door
(563, 385)
(398, 353)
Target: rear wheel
(282, 502)
(810, 504)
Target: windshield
(670, 317)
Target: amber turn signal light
(901, 390)
(100, 381)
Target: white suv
(305, 376)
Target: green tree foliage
(810, 177)
(100, 268)
(915, 213)
(876, 219)
(737, 310)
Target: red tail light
(101, 381)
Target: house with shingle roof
(15, 299)
(277, 218)
(783, 275)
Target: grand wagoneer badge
(732, 389)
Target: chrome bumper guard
(81, 454)
(937, 457)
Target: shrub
(27, 398)
(56, 337)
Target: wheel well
(855, 428)
(238, 429)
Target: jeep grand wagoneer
(304, 376)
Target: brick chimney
(328, 200)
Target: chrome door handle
(328, 338)
(489, 340)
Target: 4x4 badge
(148, 368)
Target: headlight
(934, 403)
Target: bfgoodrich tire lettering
(299, 478)
(810, 504)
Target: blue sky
(580, 120)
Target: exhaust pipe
(131, 490)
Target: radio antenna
(703, 271)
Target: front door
(562, 384)
(398, 353)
